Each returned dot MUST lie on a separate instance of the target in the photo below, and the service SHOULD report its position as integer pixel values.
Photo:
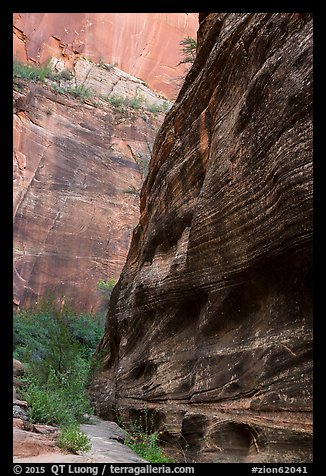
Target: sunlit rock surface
(145, 45)
(77, 169)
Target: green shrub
(57, 399)
(135, 102)
(106, 287)
(65, 74)
(122, 103)
(131, 190)
(147, 447)
(114, 100)
(59, 89)
(158, 107)
(57, 346)
(72, 439)
(109, 284)
(31, 72)
(188, 49)
(81, 92)
(142, 439)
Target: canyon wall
(77, 169)
(210, 324)
(145, 45)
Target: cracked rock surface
(74, 167)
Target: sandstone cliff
(210, 323)
(145, 45)
(77, 169)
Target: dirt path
(107, 447)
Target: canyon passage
(209, 327)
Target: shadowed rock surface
(76, 170)
(210, 325)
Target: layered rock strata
(210, 324)
(77, 169)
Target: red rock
(20, 403)
(145, 45)
(18, 368)
(22, 424)
(45, 429)
(73, 219)
(28, 443)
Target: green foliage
(147, 446)
(17, 85)
(188, 49)
(158, 107)
(106, 287)
(131, 190)
(81, 92)
(56, 346)
(59, 89)
(31, 72)
(135, 102)
(109, 284)
(143, 440)
(57, 399)
(72, 439)
(65, 74)
(115, 101)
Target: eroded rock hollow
(210, 324)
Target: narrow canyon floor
(106, 439)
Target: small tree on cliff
(188, 49)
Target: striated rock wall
(76, 168)
(145, 45)
(210, 325)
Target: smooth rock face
(29, 443)
(210, 325)
(74, 167)
(145, 45)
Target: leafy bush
(131, 190)
(122, 103)
(31, 72)
(135, 102)
(106, 287)
(59, 89)
(81, 92)
(65, 74)
(72, 439)
(56, 345)
(115, 100)
(142, 439)
(188, 49)
(146, 445)
(158, 107)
